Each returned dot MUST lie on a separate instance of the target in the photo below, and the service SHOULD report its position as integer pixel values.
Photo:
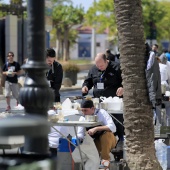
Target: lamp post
(35, 96)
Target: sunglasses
(9, 55)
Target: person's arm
(5, 73)
(81, 130)
(4, 69)
(88, 83)
(119, 91)
(108, 124)
(151, 60)
(98, 128)
(58, 76)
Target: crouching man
(103, 136)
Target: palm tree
(64, 18)
(138, 116)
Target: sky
(85, 3)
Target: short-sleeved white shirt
(103, 117)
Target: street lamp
(36, 96)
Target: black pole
(36, 96)
(22, 35)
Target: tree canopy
(102, 13)
(155, 18)
(164, 24)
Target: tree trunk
(58, 43)
(66, 57)
(138, 115)
(57, 48)
(68, 50)
(62, 49)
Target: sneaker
(104, 164)
(8, 108)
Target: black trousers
(119, 128)
(53, 152)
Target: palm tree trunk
(57, 48)
(66, 57)
(138, 115)
(58, 43)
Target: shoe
(119, 146)
(8, 108)
(104, 164)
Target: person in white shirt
(54, 135)
(103, 136)
(164, 70)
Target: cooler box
(64, 145)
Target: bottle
(163, 116)
(157, 128)
(124, 149)
(60, 115)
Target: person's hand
(119, 91)
(85, 89)
(92, 131)
(14, 73)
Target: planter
(72, 75)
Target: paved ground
(65, 91)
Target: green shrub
(71, 67)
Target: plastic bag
(89, 153)
(161, 153)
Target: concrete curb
(70, 88)
(63, 89)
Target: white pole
(93, 40)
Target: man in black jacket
(54, 74)
(105, 78)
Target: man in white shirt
(54, 135)
(103, 136)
